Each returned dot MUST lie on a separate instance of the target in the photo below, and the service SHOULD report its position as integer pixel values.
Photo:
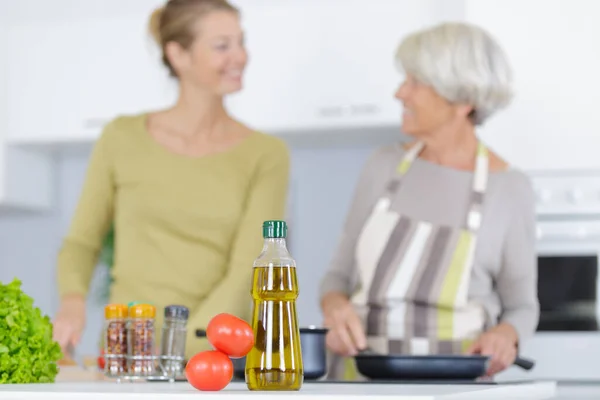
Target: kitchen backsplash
(322, 184)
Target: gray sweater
(504, 275)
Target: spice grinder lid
(142, 311)
(115, 311)
(175, 311)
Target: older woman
(437, 254)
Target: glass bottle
(275, 361)
(115, 340)
(141, 340)
(173, 340)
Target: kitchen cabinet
(318, 65)
(25, 177)
(68, 74)
(26, 180)
(552, 44)
(569, 356)
(314, 65)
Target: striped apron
(414, 276)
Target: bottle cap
(142, 311)
(179, 312)
(115, 311)
(274, 229)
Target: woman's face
(217, 58)
(425, 111)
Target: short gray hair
(462, 63)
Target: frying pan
(438, 367)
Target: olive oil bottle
(275, 361)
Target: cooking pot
(312, 342)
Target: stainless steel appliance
(567, 343)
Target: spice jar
(141, 340)
(115, 339)
(173, 339)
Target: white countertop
(578, 391)
(314, 391)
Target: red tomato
(209, 370)
(230, 334)
(101, 360)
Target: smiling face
(425, 111)
(217, 57)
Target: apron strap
(410, 156)
(480, 179)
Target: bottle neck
(275, 244)
(274, 252)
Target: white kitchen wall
(323, 180)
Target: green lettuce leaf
(27, 352)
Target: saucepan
(312, 342)
(439, 367)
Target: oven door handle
(568, 235)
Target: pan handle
(524, 363)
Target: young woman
(187, 188)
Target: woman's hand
(346, 335)
(500, 344)
(69, 322)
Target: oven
(567, 342)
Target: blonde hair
(174, 22)
(462, 63)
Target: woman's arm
(266, 200)
(94, 213)
(341, 278)
(517, 281)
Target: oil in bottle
(275, 361)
